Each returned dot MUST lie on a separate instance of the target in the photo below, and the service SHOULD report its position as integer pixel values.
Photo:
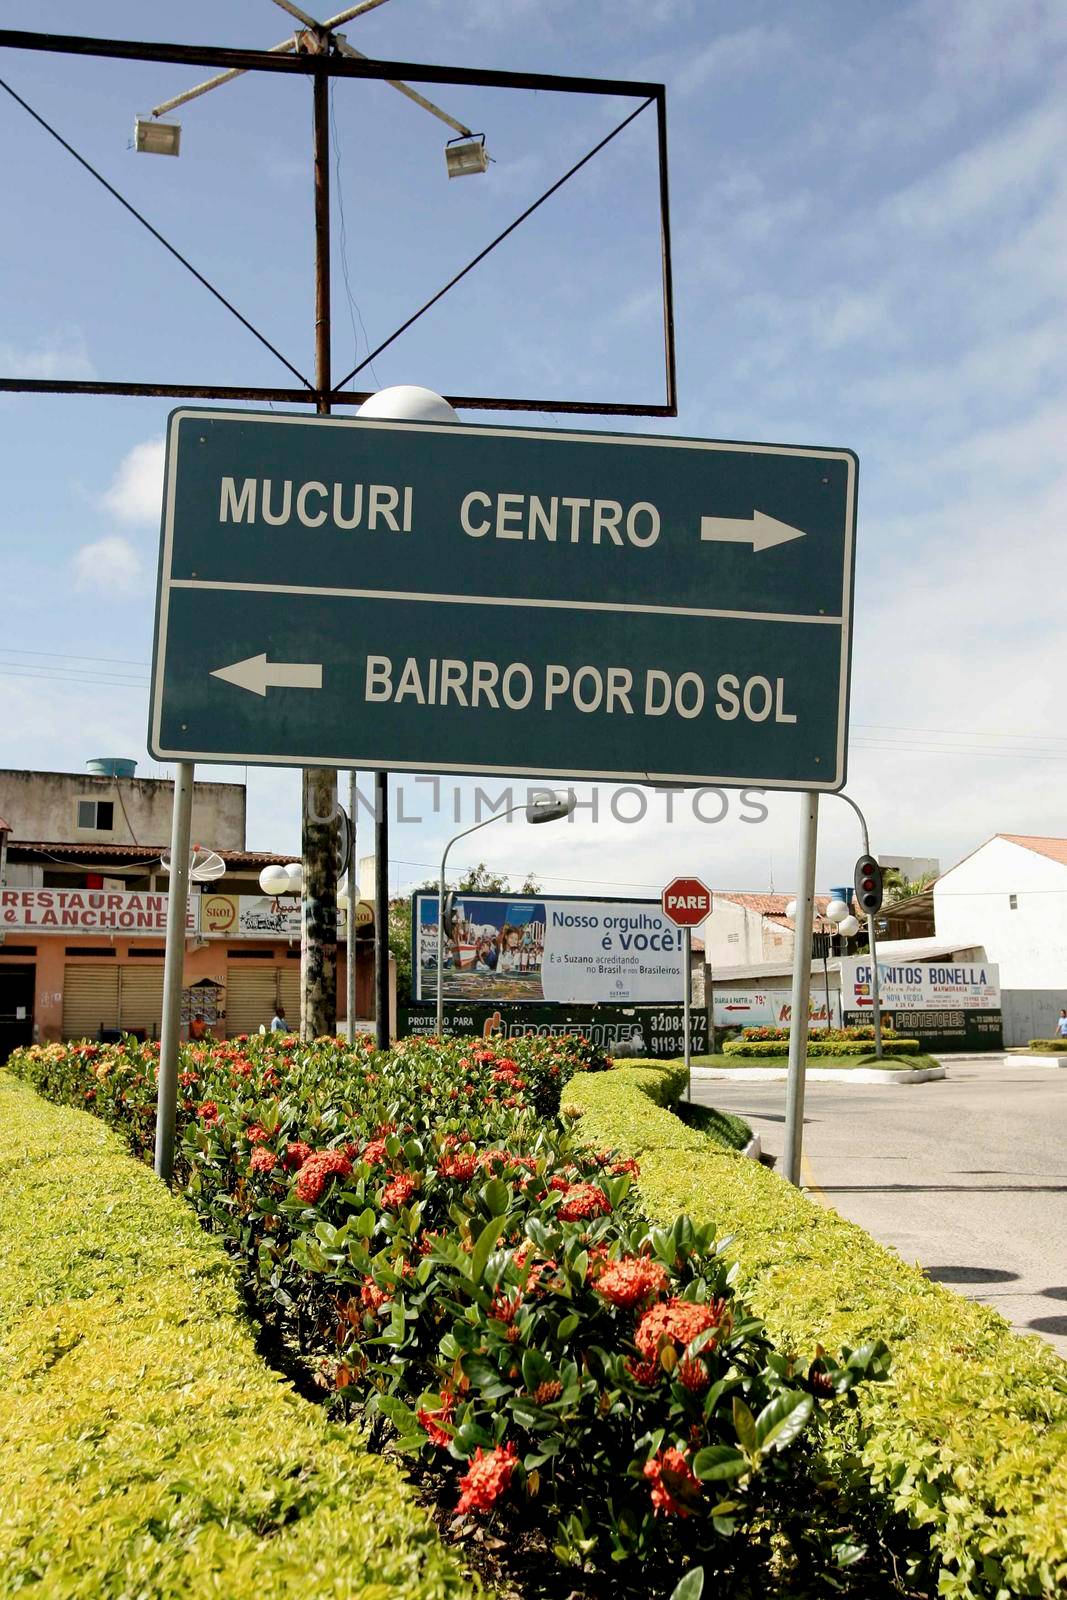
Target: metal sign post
(371, 593)
(798, 1016)
(687, 984)
(173, 970)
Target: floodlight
(155, 138)
(464, 156)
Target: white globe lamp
(408, 402)
(274, 880)
(837, 911)
(294, 874)
(848, 927)
(342, 895)
(791, 910)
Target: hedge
(779, 1048)
(968, 1437)
(1053, 1046)
(145, 1448)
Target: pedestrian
(198, 1029)
(278, 1023)
(1061, 1025)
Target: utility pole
(318, 919)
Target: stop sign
(686, 902)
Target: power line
(60, 655)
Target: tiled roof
(5, 827)
(145, 853)
(772, 906)
(1040, 844)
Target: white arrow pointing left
(257, 674)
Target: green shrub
(1052, 1046)
(863, 1030)
(817, 1046)
(146, 1450)
(968, 1438)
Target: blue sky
(869, 208)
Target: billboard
(922, 985)
(532, 949)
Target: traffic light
(868, 881)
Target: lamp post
(872, 947)
(544, 810)
(847, 925)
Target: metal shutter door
(289, 993)
(250, 997)
(141, 998)
(90, 998)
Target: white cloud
(109, 566)
(744, 51)
(136, 492)
(61, 354)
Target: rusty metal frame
(338, 66)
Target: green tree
(897, 887)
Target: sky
(869, 218)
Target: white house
(1010, 896)
(747, 929)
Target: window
(1013, 902)
(98, 816)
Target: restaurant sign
(88, 911)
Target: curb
(753, 1149)
(1048, 1058)
(825, 1074)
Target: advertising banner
(262, 916)
(564, 951)
(88, 911)
(922, 985)
(770, 1007)
(655, 1032)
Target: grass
(836, 1063)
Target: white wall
(971, 904)
(731, 936)
(43, 807)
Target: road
(967, 1176)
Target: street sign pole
(353, 903)
(318, 900)
(798, 1017)
(687, 983)
(173, 970)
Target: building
(83, 915)
(1010, 895)
(749, 929)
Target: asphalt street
(967, 1177)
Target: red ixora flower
(262, 1159)
(675, 1490)
(487, 1478)
(581, 1201)
(631, 1281)
(676, 1322)
(316, 1172)
(208, 1112)
(693, 1374)
(296, 1153)
(461, 1167)
(400, 1190)
(431, 1421)
(374, 1152)
(257, 1134)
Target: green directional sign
(354, 593)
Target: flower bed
(421, 1233)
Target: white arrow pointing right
(257, 674)
(759, 530)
